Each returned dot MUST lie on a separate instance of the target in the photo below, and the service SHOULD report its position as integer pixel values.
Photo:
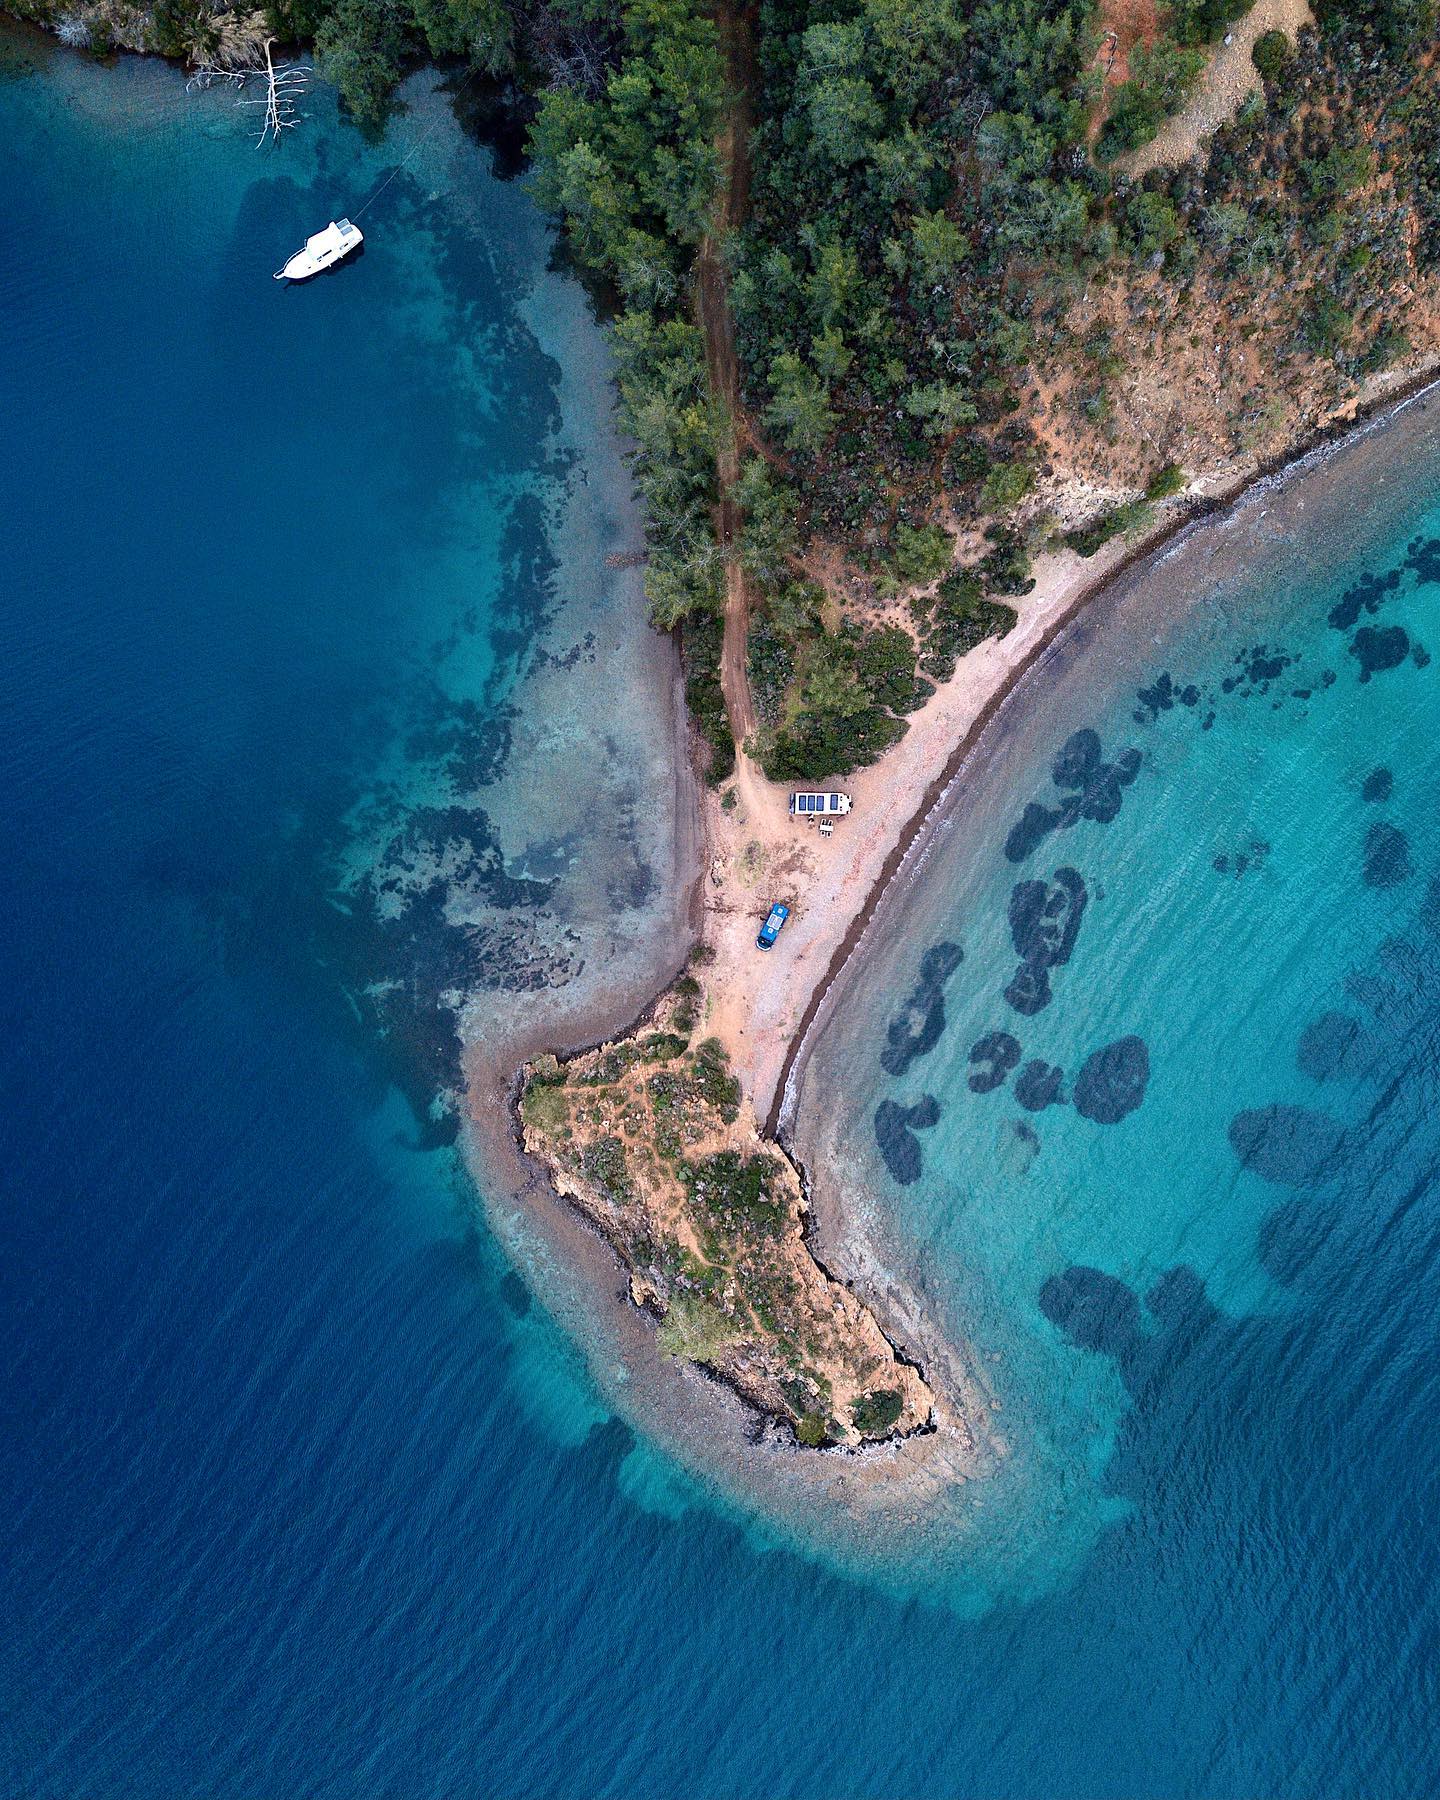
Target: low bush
(1130, 515)
(1165, 482)
(701, 640)
(717, 1086)
(1271, 54)
(877, 1412)
(604, 1164)
(736, 1193)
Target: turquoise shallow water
(322, 719)
(1139, 1067)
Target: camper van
(819, 806)
(770, 930)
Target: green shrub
(361, 48)
(770, 660)
(963, 619)
(1165, 481)
(1390, 343)
(854, 683)
(1326, 324)
(918, 554)
(544, 1107)
(884, 664)
(736, 1193)
(966, 461)
(1400, 23)
(1130, 515)
(717, 1086)
(181, 28)
(1006, 565)
(695, 1330)
(1271, 54)
(604, 1164)
(1340, 170)
(877, 1412)
(1151, 224)
(1161, 79)
(799, 410)
(819, 745)
(1203, 21)
(701, 641)
(1006, 485)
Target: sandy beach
(756, 854)
(766, 1008)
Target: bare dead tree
(578, 64)
(285, 85)
(578, 57)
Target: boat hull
(323, 251)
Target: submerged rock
(1112, 1081)
(895, 1128)
(1331, 1046)
(992, 1057)
(1077, 759)
(1387, 857)
(1038, 1086)
(1029, 831)
(1293, 1146)
(1378, 785)
(1044, 923)
(1092, 789)
(1422, 558)
(1161, 696)
(1096, 1311)
(1367, 595)
(1378, 648)
(918, 1026)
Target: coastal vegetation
(963, 333)
(939, 282)
(652, 1139)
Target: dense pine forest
(940, 271)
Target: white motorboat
(322, 251)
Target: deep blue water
(303, 1494)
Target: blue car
(770, 930)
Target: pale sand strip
(764, 1011)
(762, 1000)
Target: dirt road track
(712, 301)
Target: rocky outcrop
(652, 1140)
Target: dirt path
(1229, 77)
(713, 310)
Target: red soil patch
(1122, 25)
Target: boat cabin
(816, 806)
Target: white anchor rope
(416, 147)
